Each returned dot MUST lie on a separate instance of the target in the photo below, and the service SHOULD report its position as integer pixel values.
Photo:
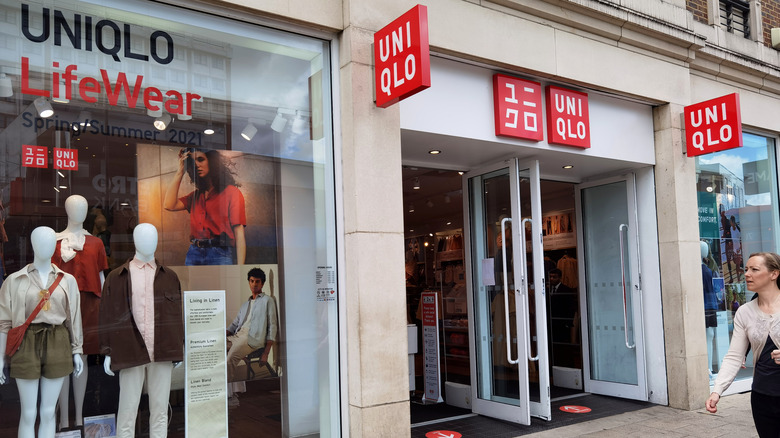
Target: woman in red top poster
(216, 207)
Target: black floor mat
(424, 413)
(480, 426)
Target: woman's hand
(776, 356)
(712, 402)
(171, 200)
(184, 153)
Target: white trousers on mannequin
(131, 384)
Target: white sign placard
(205, 407)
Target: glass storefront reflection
(217, 134)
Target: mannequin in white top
(145, 240)
(76, 208)
(43, 241)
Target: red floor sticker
(443, 434)
(575, 409)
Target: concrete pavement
(733, 419)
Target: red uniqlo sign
(518, 107)
(66, 159)
(713, 125)
(568, 121)
(34, 156)
(402, 62)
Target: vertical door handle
(527, 305)
(506, 293)
(623, 284)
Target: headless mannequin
(76, 208)
(712, 345)
(145, 240)
(43, 242)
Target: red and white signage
(574, 409)
(443, 434)
(518, 108)
(66, 159)
(35, 156)
(402, 62)
(568, 120)
(713, 125)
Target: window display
(738, 216)
(215, 133)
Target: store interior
(435, 262)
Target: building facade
(330, 183)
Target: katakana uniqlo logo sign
(517, 108)
(713, 125)
(35, 156)
(66, 159)
(568, 119)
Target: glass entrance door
(510, 378)
(614, 362)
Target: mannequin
(142, 297)
(710, 307)
(61, 317)
(82, 255)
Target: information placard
(205, 408)
(430, 322)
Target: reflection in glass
(738, 216)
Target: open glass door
(508, 331)
(614, 362)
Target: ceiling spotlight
(279, 122)
(209, 129)
(411, 208)
(416, 183)
(85, 118)
(249, 131)
(299, 124)
(568, 166)
(6, 88)
(61, 95)
(461, 173)
(155, 113)
(162, 122)
(43, 107)
(434, 152)
(710, 189)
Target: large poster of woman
(212, 207)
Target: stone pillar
(680, 258)
(374, 248)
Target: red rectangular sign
(402, 62)
(35, 156)
(66, 159)
(517, 107)
(713, 125)
(568, 120)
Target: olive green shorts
(45, 351)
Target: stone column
(680, 258)
(374, 239)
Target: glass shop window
(738, 216)
(127, 152)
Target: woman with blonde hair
(757, 324)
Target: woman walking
(757, 324)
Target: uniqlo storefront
(120, 103)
